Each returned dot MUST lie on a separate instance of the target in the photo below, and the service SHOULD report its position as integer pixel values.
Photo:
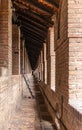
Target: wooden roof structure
(34, 18)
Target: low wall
(10, 96)
(65, 116)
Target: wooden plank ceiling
(34, 19)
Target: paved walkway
(32, 114)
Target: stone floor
(32, 113)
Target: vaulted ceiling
(34, 18)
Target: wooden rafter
(27, 33)
(25, 5)
(34, 18)
(53, 2)
(41, 19)
(49, 5)
(34, 41)
(32, 37)
(40, 6)
(32, 22)
(32, 31)
(31, 27)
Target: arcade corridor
(40, 64)
(32, 114)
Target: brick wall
(75, 52)
(15, 50)
(52, 58)
(45, 64)
(27, 63)
(67, 113)
(5, 37)
(11, 86)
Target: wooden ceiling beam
(29, 13)
(40, 6)
(30, 27)
(22, 17)
(34, 41)
(32, 37)
(34, 28)
(30, 41)
(28, 24)
(32, 32)
(50, 5)
(26, 5)
(53, 2)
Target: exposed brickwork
(75, 52)
(5, 35)
(60, 65)
(74, 18)
(52, 59)
(45, 64)
(11, 86)
(15, 50)
(27, 63)
(67, 99)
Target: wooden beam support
(54, 2)
(32, 37)
(29, 30)
(26, 5)
(41, 19)
(34, 29)
(32, 22)
(49, 5)
(28, 25)
(40, 6)
(34, 41)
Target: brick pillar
(19, 51)
(52, 59)
(45, 71)
(5, 37)
(75, 50)
(45, 65)
(15, 50)
(41, 65)
(48, 57)
(25, 62)
(23, 56)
